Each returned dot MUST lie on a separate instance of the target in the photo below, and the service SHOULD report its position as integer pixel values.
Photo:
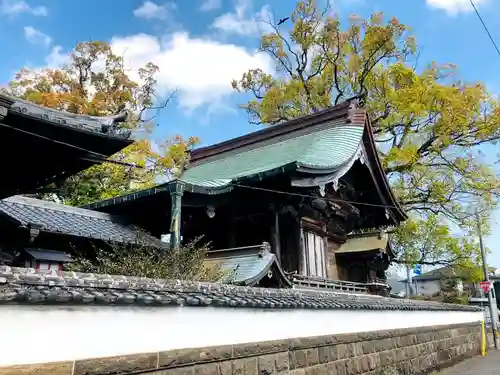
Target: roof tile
(74, 221)
(246, 265)
(328, 148)
(21, 285)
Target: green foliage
(420, 298)
(428, 123)
(142, 260)
(95, 82)
(456, 299)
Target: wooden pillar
(175, 220)
(276, 236)
(302, 251)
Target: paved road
(489, 365)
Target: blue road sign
(417, 270)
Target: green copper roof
(327, 149)
(246, 265)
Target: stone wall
(394, 352)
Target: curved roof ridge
(300, 123)
(103, 125)
(347, 141)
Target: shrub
(143, 260)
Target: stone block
(457, 340)
(265, 347)
(423, 337)
(116, 365)
(443, 344)
(356, 349)
(334, 355)
(316, 341)
(383, 345)
(267, 364)
(362, 363)
(404, 341)
(273, 363)
(225, 368)
(367, 347)
(416, 365)
(206, 369)
(324, 354)
(388, 358)
(321, 369)
(373, 361)
(180, 357)
(282, 362)
(245, 366)
(396, 342)
(330, 368)
(342, 351)
(340, 367)
(297, 359)
(410, 352)
(188, 370)
(353, 366)
(403, 367)
(312, 356)
(444, 355)
(56, 368)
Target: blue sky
(200, 45)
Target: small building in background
(435, 282)
(398, 289)
(44, 260)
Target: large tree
(95, 82)
(430, 125)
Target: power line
(334, 200)
(485, 27)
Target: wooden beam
(276, 236)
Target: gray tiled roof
(49, 255)
(73, 221)
(103, 125)
(248, 265)
(21, 285)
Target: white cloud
(454, 7)
(209, 5)
(188, 64)
(242, 21)
(152, 11)
(35, 36)
(13, 7)
(57, 58)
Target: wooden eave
(378, 174)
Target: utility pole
(487, 279)
(408, 282)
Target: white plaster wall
(50, 333)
